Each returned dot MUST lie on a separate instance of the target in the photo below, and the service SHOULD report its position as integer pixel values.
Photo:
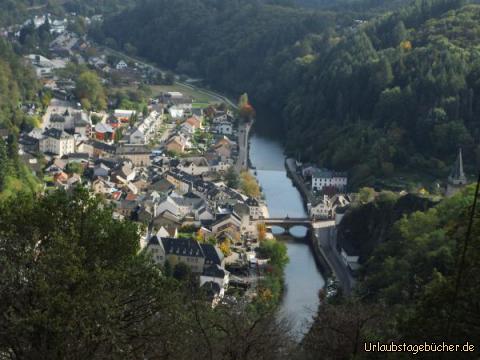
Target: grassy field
(200, 100)
(198, 97)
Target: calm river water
(303, 279)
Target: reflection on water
(302, 277)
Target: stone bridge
(287, 223)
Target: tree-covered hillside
(73, 285)
(419, 286)
(395, 95)
(400, 94)
(235, 45)
(18, 86)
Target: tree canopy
(90, 91)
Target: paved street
(327, 243)
(242, 160)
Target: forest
(18, 86)
(394, 96)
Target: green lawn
(198, 97)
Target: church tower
(457, 178)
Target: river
(303, 279)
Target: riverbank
(322, 240)
(307, 195)
(303, 277)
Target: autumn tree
(225, 248)
(249, 184)
(89, 90)
(246, 110)
(262, 231)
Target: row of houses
(324, 180)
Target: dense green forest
(396, 95)
(73, 285)
(18, 86)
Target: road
(326, 238)
(211, 93)
(242, 160)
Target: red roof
(131, 197)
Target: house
(187, 251)
(167, 231)
(125, 173)
(223, 151)
(254, 210)
(326, 207)
(323, 178)
(101, 170)
(146, 130)
(176, 144)
(121, 65)
(227, 224)
(194, 165)
(223, 195)
(57, 142)
(98, 149)
(191, 125)
(137, 137)
(138, 155)
(166, 219)
(224, 128)
(104, 132)
(219, 117)
(126, 207)
(161, 186)
(176, 112)
(223, 148)
(323, 209)
(216, 164)
(213, 255)
(182, 181)
(82, 124)
(216, 274)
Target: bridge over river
(286, 223)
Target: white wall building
(57, 142)
(322, 178)
(224, 128)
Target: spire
(457, 176)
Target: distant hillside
(392, 97)
(369, 6)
